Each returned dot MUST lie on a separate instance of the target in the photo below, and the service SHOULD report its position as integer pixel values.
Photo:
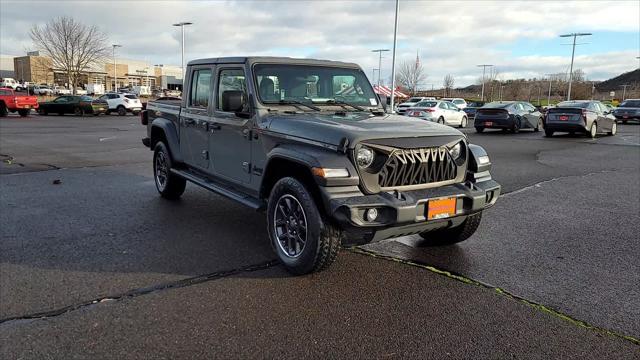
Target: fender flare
(170, 132)
(475, 152)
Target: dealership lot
(91, 266)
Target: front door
(195, 118)
(230, 138)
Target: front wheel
(121, 111)
(538, 125)
(169, 185)
(463, 122)
(593, 130)
(3, 110)
(453, 235)
(302, 238)
(614, 129)
(78, 111)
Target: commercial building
(38, 69)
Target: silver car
(580, 116)
(443, 112)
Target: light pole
(501, 89)
(393, 61)
(624, 91)
(379, 51)
(115, 67)
(484, 67)
(573, 52)
(182, 25)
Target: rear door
(230, 141)
(195, 117)
(604, 120)
(531, 115)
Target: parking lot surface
(93, 264)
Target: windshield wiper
(296, 102)
(343, 103)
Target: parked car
(123, 103)
(329, 167)
(142, 90)
(61, 90)
(627, 110)
(74, 104)
(8, 83)
(81, 91)
(461, 103)
(12, 102)
(402, 108)
(471, 108)
(508, 115)
(23, 86)
(580, 116)
(42, 90)
(442, 112)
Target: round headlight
(364, 157)
(456, 151)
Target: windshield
(426, 104)
(630, 103)
(574, 104)
(317, 84)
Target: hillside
(631, 78)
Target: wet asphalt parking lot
(98, 266)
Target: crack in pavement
(140, 291)
(540, 183)
(469, 281)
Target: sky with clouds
(452, 37)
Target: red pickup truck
(10, 101)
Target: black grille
(417, 167)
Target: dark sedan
(628, 110)
(74, 104)
(582, 116)
(471, 109)
(508, 115)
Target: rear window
(131, 96)
(573, 104)
(414, 100)
(496, 105)
(86, 98)
(5, 92)
(426, 104)
(630, 103)
(458, 101)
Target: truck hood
(330, 129)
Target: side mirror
(233, 100)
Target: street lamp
(573, 52)
(379, 51)
(115, 66)
(393, 61)
(484, 67)
(182, 25)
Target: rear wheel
(479, 129)
(23, 112)
(515, 128)
(302, 238)
(121, 110)
(78, 111)
(593, 130)
(453, 235)
(538, 125)
(614, 129)
(169, 185)
(463, 122)
(3, 110)
(548, 133)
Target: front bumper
(403, 213)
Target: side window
(230, 80)
(200, 88)
(443, 105)
(453, 106)
(601, 108)
(593, 107)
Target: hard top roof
(270, 59)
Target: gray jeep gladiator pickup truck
(309, 142)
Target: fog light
(371, 215)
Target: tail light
(584, 115)
(430, 110)
(15, 100)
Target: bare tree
(410, 75)
(72, 46)
(448, 84)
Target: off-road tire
(322, 237)
(453, 235)
(3, 110)
(479, 129)
(121, 110)
(23, 112)
(173, 185)
(548, 133)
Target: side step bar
(246, 200)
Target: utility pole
(539, 92)
(573, 52)
(379, 51)
(550, 81)
(624, 90)
(182, 25)
(501, 89)
(484, 67)
(115, 68)
(393, 61)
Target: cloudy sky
(520, 38)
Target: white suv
(123, 103)
(460, 103)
